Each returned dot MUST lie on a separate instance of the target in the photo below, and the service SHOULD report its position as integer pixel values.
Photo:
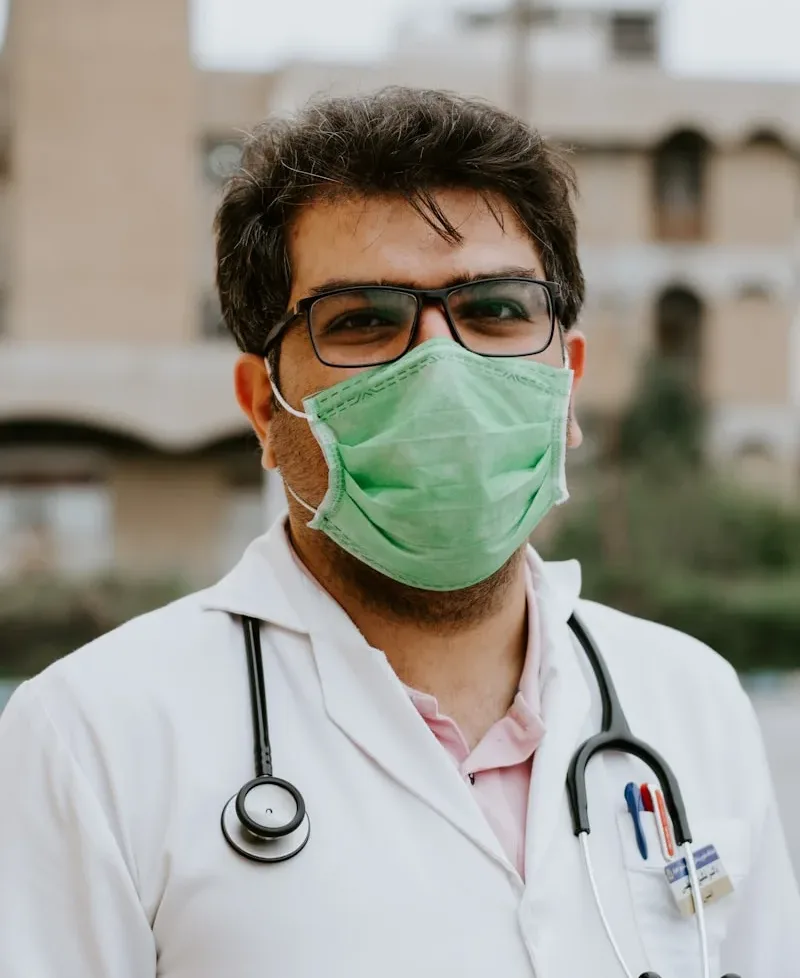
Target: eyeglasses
(369, 325)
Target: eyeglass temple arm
(277, 329)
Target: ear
(254, 394)
(576, 351)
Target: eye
(495, 309)
(363, 319)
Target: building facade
(121, 446)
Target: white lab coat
(116, 762)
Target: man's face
(378, 240)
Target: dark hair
(401, 141)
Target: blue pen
(633, 799)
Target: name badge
(714, 880)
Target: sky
(739, 38)
(726, 38)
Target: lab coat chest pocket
(671, 942)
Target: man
(400, 272)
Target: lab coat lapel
(367, 702)
(364, 698)
(362, 695)
(566, 703)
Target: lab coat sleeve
(764, 937)
(68, 903)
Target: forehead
(383, 239)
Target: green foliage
(754, 623)
(41, 620)
(693, 554)
(656, 535)
(666, 418)
(660, 537)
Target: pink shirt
(499, 766)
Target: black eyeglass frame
(422, 297)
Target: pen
(663, 824)
(653, 798)
(633, 799)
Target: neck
(467, 648)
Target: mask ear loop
(298, 414)
(297, 499)
(280, 398)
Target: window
(634, 37)
(55, 527)
(212, 324)
(752, 291)
(680, 164)
(679, 331)
(221, 157)
(754, 448)
(767, 139)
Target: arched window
(56, 509)
(679, 171)
(765, 138)
(679, 331)
(221, 158)
(212, 324)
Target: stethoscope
(267, 821)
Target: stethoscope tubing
(615, 735)
(258, 697)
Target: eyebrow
(510, 271)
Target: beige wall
(619, 333)
(102, 155)
(105, 234)
(753, 194)
(747, 352)
(205, 260)
(614, 204)
(169, 516)
(6, 239)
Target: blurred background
(128, 477)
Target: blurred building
(121, 445)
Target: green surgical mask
(440, 464)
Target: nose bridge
(433, 322)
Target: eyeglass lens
(367, 327)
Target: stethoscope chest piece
(266, 821)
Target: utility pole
(521, 19)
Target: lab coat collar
(565, 706)
(264, 584)
(269, 584)
(366, 700)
